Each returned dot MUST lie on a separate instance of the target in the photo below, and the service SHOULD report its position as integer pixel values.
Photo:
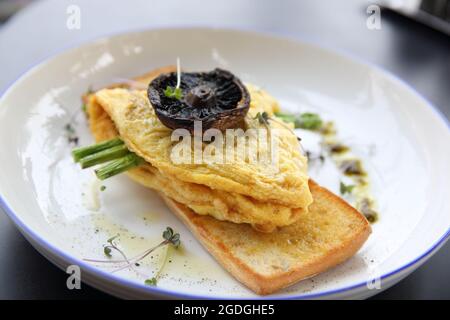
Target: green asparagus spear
(80, 153)
(118, 166)
(104, 156)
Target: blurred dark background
(413, 43)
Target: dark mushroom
(217, 98)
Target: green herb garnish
(107, 248)
(172, 238)
(345, 188)
(352, 167)
(174, 93)
(169, 238)
(306, 120)
(365, 207)
(263, 118)
(107, 251)
(102, 188)
(111, 240)
(151, 281)
(84, 105)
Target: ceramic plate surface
(402, 140)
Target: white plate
(41, 188)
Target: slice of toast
(329, 234)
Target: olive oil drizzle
(352, 167)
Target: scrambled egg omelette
(238, 192)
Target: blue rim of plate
(137, 287)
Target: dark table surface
(415, 53)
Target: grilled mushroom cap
(217, 98)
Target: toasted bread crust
(266, 283)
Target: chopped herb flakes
(365, 207)
(151, 281)
(71, 134)
(343, 188)
(352, 167)
(337, 148)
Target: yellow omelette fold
(240, 191)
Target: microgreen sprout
(172, 238)
(178, 74)
(175, 93)
(264, 118)
(169, 238)
(111, 240)
(306, 120)
(107, 251)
